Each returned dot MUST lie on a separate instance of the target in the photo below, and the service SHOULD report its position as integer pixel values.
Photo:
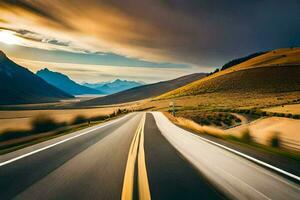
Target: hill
(240, 60)
(276, 71)
(64, 83)
(114, 86)
(145, 91)
(20, 86)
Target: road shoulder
(170, 175)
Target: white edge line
(253, 159)
(249, 157)
(60, 142)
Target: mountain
(64, 83)
(114, 86)
(20, 86)
(276, 71)
(144, 91)
(94, 85)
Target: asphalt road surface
(138, 156)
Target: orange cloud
(96, 28)
(194, 32)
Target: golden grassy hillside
(277, 71)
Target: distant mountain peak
(64, 83)
(47, 72)
(114, 86)
(45, 69)
(18, 85)
(2, 55)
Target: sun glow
(8, 37)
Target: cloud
(196, 32)
(99, 73)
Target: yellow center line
(127, 190)
(136, 151)
(144, 192)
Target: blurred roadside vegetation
(43, 123)
(209, 118)
(274, 145)
(259, 113)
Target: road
(138, 156)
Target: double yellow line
(136, 152)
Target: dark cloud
(198, 32)
(33, 6)
(56, 42)
(24, 32)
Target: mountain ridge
(144, 91)
(18, 85)
(64, 83)
(115, 86)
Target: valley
(161, 100)
(266, 83)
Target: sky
(143, 40)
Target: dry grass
(265, 82)
(260, 131)
(217, 119)
(276, 57)
(223, 100)
(264, 85)
(234, 78)
(263, 129)
(45, 127)
(287, 109)
(190, 124)
(21, 119)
